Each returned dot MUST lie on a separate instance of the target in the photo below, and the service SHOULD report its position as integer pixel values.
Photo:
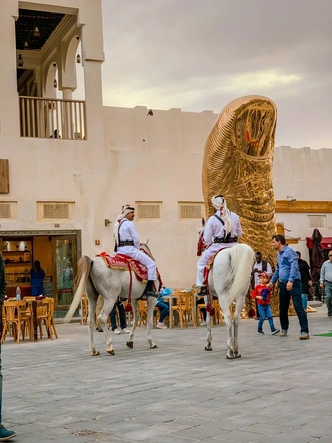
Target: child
(263, 296)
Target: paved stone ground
(280, 391)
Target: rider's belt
(126, 243)
(225, 240)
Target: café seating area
(32, 318)
(183, 309)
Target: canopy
(325, 243)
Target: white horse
(229, 279)
(97, 278)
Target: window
(191, 210)
(148, 210)
(317, 221)
(4, 176)
(8, 210)
(48, 211)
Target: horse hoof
(154, 346)
(110, 351)
(208, 349)
(230, 356)
(130, 344)
(238, 356)
(94, 353)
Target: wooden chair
(51, 325)
(143, 313)
(184, 307)
(18, 316)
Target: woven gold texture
(237, 163)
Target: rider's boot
(202, 291)
(149, 291)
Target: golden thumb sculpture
(237, 163)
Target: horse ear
(203, 222)
(147, 241)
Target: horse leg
(230, 326)
(130, 342)
(236, 320)
(208, 346)
(92, 297)
(102, 317)
(152, 301)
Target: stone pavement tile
(143, 434)
(199, 432)
(171, 439)
(243, 437)
(294, 420)
(264, 428)
(286, 438)
(233, 423)
(317, 429)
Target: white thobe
(128, 231)
(214, 228)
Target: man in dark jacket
(305, 279)
(5, 434)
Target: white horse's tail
(83, 271)
(241, 261)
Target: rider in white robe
(221, 230)
(127, 242)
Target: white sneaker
(125, 330)
(117, 331)
(161, 326)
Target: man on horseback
(127, 243)
(222, 230)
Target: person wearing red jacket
(263, 296)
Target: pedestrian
(262, 294)
(306, 281)
(5, 434)
(37, 277)
(122, 316)
(326, 282)
(259, 266)
(288, 274)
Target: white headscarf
(124, 211)
(218, 201)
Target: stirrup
(202, 291)
(151, 294)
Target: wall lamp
(107, 222)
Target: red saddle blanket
(122, 262)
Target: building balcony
(42, 117)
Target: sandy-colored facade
(73, 165)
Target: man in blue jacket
(287, 271)
(5, 434)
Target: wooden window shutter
(4, 176)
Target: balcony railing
(52, 118)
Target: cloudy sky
(201, 54)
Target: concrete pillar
(9, 107)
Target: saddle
(122, 262)
(209, 265)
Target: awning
(326, 243)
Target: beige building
(67, 166)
